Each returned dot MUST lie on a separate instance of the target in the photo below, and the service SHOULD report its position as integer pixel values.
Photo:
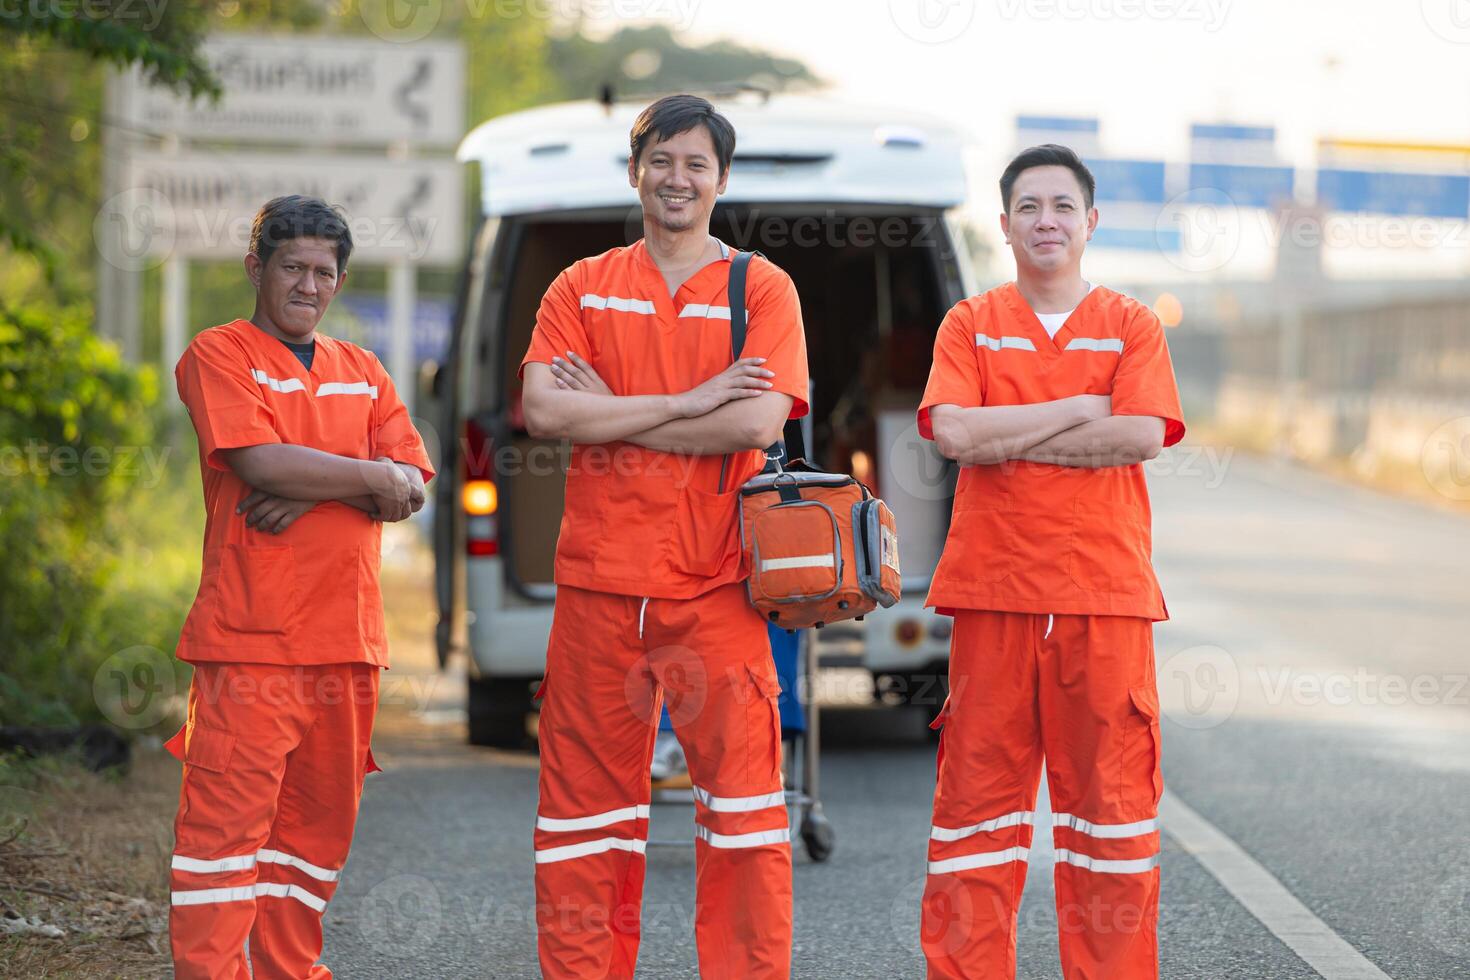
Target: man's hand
(392, 490)
(269, 513)
(576, 374)
(743, 379)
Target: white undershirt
(1053, 321)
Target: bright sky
(1390, 70)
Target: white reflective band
(960, 833)
(1104, 830)
(1112, 344)
(276, 384)
(238, 862)
(709, 312)
(209, 896)
(278, 889)
(291, 861)
(617, 303)
(739, 804)
(639, 812)
(761, 838)
(1108, 867)
(798, 561)
(550, 855)
(986, 859)
(347, 388)
(245, 893)
(1007, 343)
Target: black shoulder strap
(736, 293)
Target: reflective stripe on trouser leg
(1100, 729)
(989, 764)
(598, 719)
(301, 866)
(712, 656)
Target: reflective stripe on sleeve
(348, 388)
(706, 311)
(276, 384)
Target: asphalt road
(1314, 679)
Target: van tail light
(479, 495)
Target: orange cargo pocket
(763, 715)
(1146, 705)
(257, 588)
(208, 748)
(704, 541)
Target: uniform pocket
(704, 542)
(256, 589)
(1145, 744)
(985, 531)
(1109, 550)
(208, 748)
(763, 726)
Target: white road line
(1333, 957)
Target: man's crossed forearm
(1078, 431)
(286, 481)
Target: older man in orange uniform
(631, 360)
(304, 449)
(1050, 393)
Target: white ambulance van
(860, 206)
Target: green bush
(99, 515)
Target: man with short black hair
(631, 360)
(1050, 393)
(304, 450)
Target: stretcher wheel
(818, 836)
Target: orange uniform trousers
(274, 758)
(1079, 691)
(611, 661)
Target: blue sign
(1390, 192)
(1137, 239)
(1217, 131)
(1245, 186)
(431, 323)
(1057, 124)
(1139, 181)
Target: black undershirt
(304, 352)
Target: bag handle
(776, 452)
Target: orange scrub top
(308, 595)
(638, 521)
(1036, 537)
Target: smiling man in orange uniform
(631, 360)
(304, 449)
(1049, 392)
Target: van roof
(790, 148)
